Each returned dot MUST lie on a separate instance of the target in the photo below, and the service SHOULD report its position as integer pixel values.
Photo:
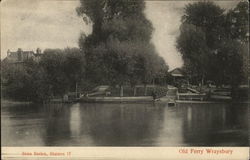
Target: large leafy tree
(26, 81)
(53, 63)
(64, 69)
(208, 17)
(237, 28)
(119, 47)
(210, 45)
(195, 52)
(74, 67)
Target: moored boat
(220, 97)
(221, 94)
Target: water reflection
(124, 125)
(57, 125)
(217, 124)
(171, 130)
(75, 121)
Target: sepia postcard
(125, 79)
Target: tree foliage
(56, 74)
(237, 22)
(119, 50)
(211, 42)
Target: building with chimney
(21, 56)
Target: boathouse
(177, 74)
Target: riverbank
(146, 99)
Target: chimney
(19, 50)
(8, 53)
(38, 51)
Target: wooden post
(121, 91)
(177, 95)
(76, 89)
(202, 82)
(154, 84)
(134, 90)
(145, 90)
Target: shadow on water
(57, 124)
(215, 125)
(124, 125)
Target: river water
(84, 124)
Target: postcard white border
(124, 153)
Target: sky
(29, 24)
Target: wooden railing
(191, 96)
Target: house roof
(177, 72)
(101, 88)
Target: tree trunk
(76, 89)
(202, 82)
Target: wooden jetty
(103, 99)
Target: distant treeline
(59, 71)
(56, 72)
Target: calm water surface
(124, 125)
